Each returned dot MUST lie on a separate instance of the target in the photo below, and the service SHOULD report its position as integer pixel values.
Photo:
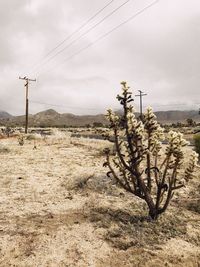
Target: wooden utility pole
(27, 80)
(141, 95)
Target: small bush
(21, 140)
(79, 182)
(30, 137)
(4, 149)
(197, 144)
(195, 205)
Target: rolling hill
(51, 117)
(5, 115)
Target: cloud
(157, 52)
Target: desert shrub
(30, 137)
(97, 124)
(138, 166)
(78, 182)
(4, 149)
(8, 131)
(190, 122)
(21, 140)
(197, 143)
(194, 205)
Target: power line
(62, 106)
(106, 34)
(86, 32)
(170, 105)
(82, 108)
(73, 33)
(176, 105)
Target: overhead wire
(94, 42)
(170, 105)
(85, 33)
(61, 106)
(83, 108)
(73, 33)
(105, 35)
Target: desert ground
(58, 208)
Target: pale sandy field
(58, 208)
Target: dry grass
(58, 208)
(4, 149)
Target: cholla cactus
(137, 165)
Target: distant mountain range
(51, 117)
(171, 116)
(5, 115)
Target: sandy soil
(58, 208)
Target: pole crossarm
(141, 94)
(27, 79)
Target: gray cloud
(157, 52)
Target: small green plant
(197, 144)
(138, 166)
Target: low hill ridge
(50, 117)
(5, 115)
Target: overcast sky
(157, 52)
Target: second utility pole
(26, 85)
(141, 95)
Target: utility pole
(141, 95)
(27, 80)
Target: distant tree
(179, 124)
(97, 124)
(174, 125)
(87, 125)
(190, 122)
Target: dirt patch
(58, 208)
(129, 228)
